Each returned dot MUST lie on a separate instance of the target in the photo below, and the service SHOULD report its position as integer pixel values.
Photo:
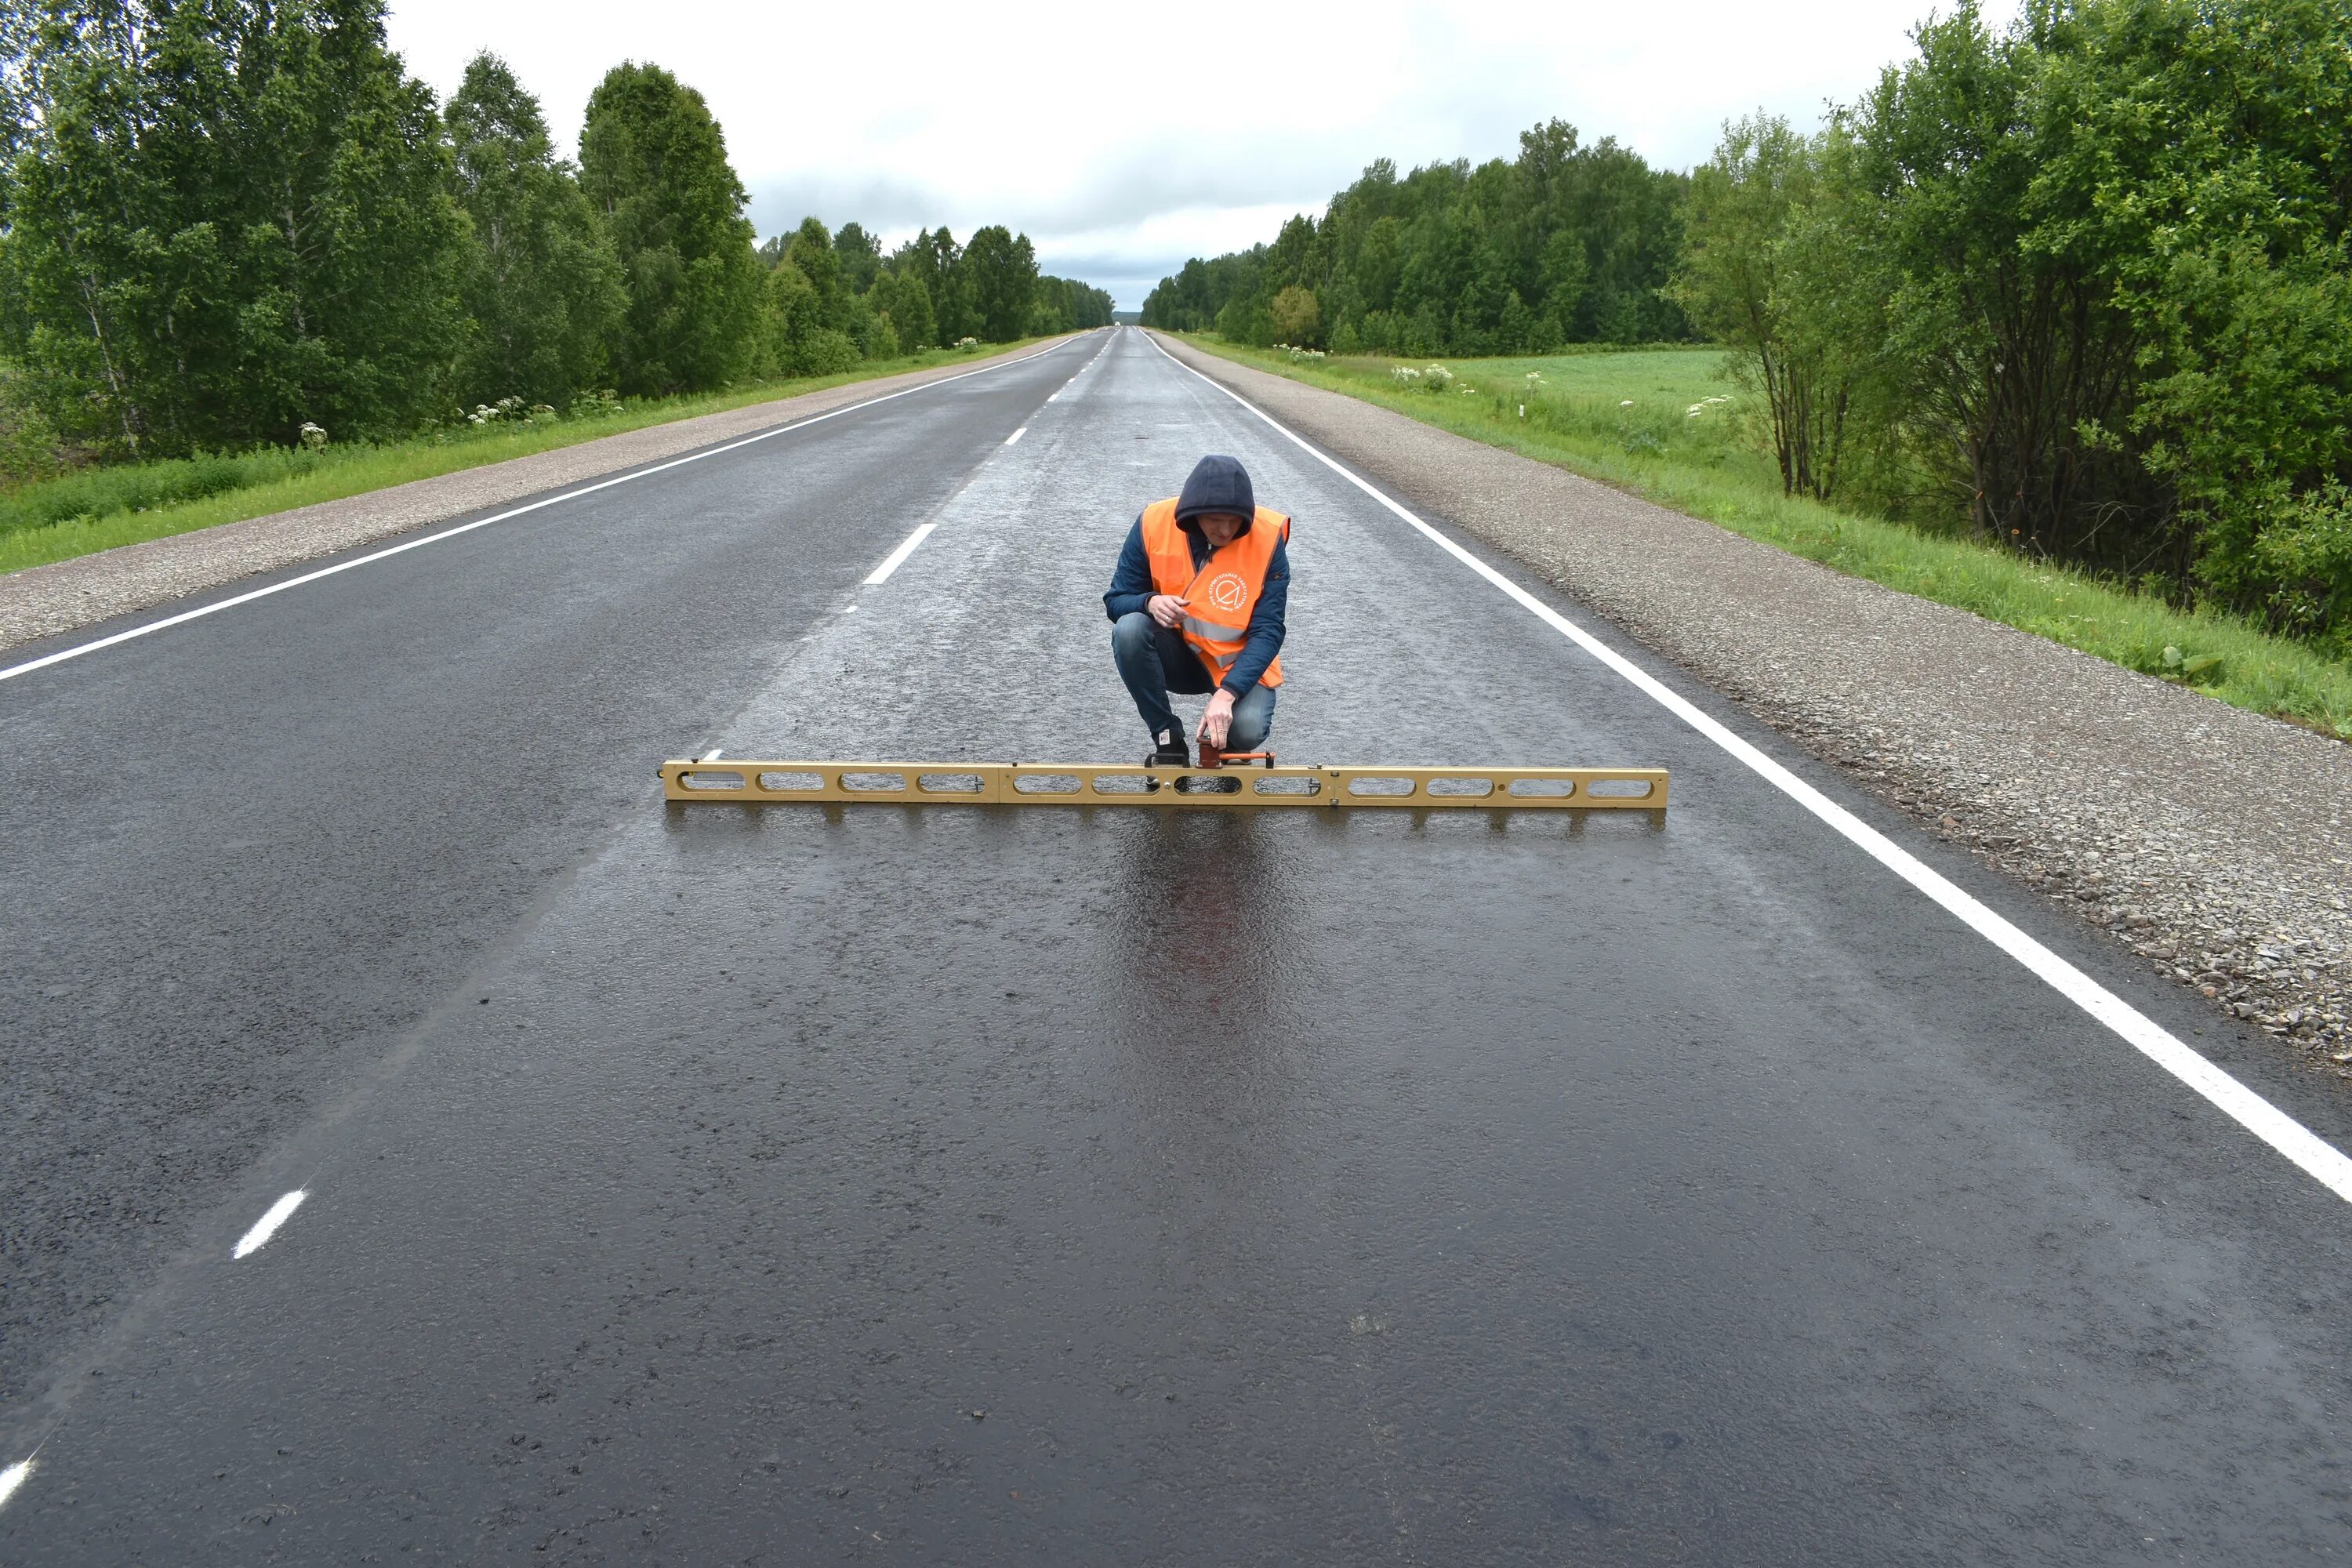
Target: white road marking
(709, 756)
(1016, 435)
(892, 561)
(265, 1227)
(11, 1478)
(75, 652)
(2313, 1155)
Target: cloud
(1126, 139)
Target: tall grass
(128, 503)
(145, 487)
(1665, 424)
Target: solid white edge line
(892, 561)
(202, 610)
(1018, 434)
(11, 1478)
(265, 1227)
(2310, 1154)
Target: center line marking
(11, 1478)
(2310, 1154)
(892, 561)
(1016, 435)
(265, 1227)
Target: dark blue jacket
(1131, 590)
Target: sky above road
(1123, 138)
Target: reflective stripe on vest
(1227, 585)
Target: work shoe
(1173, 753)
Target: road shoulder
(2215, 843)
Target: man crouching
(1197, 605)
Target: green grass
(100, 508)
(1624, 419)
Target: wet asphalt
(713, 1183)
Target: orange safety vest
(1223, 594)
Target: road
(712, 1184)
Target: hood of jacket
(1217, 484)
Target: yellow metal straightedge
(1087, 783)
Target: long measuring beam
(1089, 783)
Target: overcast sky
(1124, 139)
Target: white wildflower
(314, 436)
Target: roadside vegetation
(1675, 425)
(2078, 289)
(240, 247)
(127, 503)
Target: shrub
(2308, 554)
(827, 353)
(1295, 314)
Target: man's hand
(1219, 719)
(1166, 609)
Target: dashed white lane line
(11, 1478)
(59, 657)
(709, 756)
(1018, 434)
(253, 1240)
(2314, 1156)
(892, 561)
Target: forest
(243, 224)
(1565, 244)
(2079, 286)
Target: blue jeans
(1155, 661)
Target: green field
(1627, 419)
(98, 508)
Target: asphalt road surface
(716, 1184)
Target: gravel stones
(2214, 842)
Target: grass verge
(100, 508)
(1664, 425)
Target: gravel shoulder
(2217, 843)
(45, 601)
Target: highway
(704, 1185)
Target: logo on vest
(1228, 592)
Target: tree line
(1564, 244)
(222, 223)
(2081, 286)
